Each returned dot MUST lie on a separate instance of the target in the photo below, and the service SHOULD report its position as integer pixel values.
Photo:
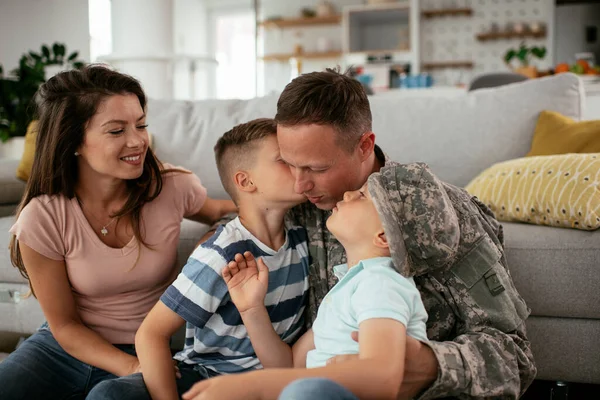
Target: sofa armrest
(11, 188)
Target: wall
(571, 21)
(232, 40)
(27, 24)
(454, 38)
(190, 22)
(442, 39)
(162, 43)
(276, 41)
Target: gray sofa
(556, 270)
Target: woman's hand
(136, 368)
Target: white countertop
(441, 91)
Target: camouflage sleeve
(482, 364)
(492, 221)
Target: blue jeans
(41, 369)
(132, 387)
(316, 389)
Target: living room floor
(543, 390)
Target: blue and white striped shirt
(215, 335)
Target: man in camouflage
(478, 346)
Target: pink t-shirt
(112, 292)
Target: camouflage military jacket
(476, 317)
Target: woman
(96, 234)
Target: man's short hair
(327, 98)
(236, 149)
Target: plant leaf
(510, 54)
(4, 135)
(73, 56)
(539, 52)
(46, 52)
(522, 55)
(35, 56)
(17, 107)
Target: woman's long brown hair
(66, 103)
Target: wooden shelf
(447, 64)
(310, 21)
(511, 35)
(447, 11)
(303, 56)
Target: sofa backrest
(457, 136)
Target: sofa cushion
(556, 270)
(24, 316)
(559, 190)
(481, 128)
(26, 163)
(565, 349)
(461, 136)
(190, 235)
(7, 210)
(186, 132)
(557, 134)
(8, 273)
(11, 188)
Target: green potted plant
(18, 88)
(525, 54)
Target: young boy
(375, 295)
(216, 340)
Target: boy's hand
(247, 281)
(235, 386)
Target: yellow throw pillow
(24, 168)
(26, 163)
(557, 134)
(560, 190)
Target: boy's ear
(243, 181)
(380, 240)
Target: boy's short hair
(327, 98)
(236, 149)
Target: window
(100, 28)
(235, 53)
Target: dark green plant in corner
(18, 88)
(524, 54)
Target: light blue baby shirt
(371, 289)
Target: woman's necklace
(104, 230)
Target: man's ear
(243, 181)
(380, 240)
(366, 145)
